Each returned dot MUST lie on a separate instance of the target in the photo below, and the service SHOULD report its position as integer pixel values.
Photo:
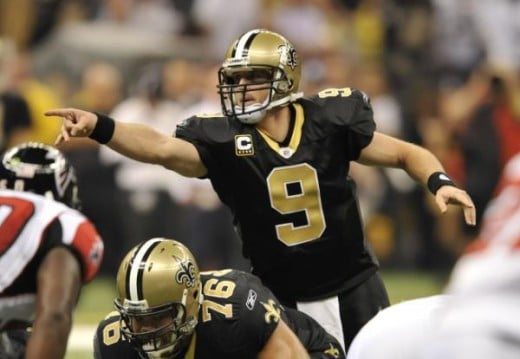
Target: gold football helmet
(158, 297)
(270, 62)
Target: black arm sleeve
(318, 342)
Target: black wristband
(437, 180)
(104, 129)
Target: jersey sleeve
(363, 125)
(316, 340)
(81, 235)
(260, 313)
(209, 136)
(350, 111)
(90, 246)
(256, 314)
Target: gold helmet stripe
(244, 43)
(134, 275)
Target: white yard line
(81, 337)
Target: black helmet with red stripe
(42, 169)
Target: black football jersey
(236, 319)
(295, 207)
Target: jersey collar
(287, 152)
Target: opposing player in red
(48, 249)
(481, 319)
(477, 316)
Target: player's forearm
(145, 144)
(49, 337)
(420, 163)
(137, 141)
(283, 344)
(388, 151)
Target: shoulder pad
(342, 93)
(345, 107)
(114, 313)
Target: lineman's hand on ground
(76, 123)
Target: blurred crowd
(440, 73)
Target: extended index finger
(62, 112)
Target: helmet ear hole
(283, 86)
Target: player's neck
(276, 124)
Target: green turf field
(96, 302)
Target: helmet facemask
(234, 95)
(169, 334)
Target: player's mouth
(250, 101)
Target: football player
(476, 318)
(167, 309)
(280, 161)
(48, 249)
(400, 331)
(481, 319)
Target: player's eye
(257, 76)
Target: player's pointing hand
(76, 123)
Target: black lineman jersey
(295, 207)
(236, 319)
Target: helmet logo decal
(186, 274)
(288, 56)
(62, 177)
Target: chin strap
(256, 115)
(287, 99)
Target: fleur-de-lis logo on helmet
(186, 274)
(288, 56)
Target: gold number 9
(308, 200)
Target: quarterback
(280, 161)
